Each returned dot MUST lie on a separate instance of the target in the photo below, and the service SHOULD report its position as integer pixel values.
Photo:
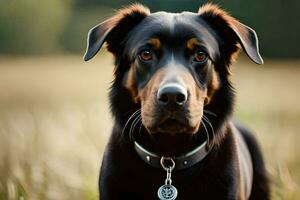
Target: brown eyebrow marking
(191, 43)
(155, 42)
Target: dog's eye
(145, 55)
(200, 57)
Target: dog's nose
(172, 93)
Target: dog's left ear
(232, 31)
(114, 30)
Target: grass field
(55, 121)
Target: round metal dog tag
(167, 192)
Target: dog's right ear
(114, 30)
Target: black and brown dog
(172, 101)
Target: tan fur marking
(155, 42)
(216, 11)
(212, 87)
(191, 43)
(196, 100)
(128, 10)
(145, 93)
(130, 84)
(147, 97)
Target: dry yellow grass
(55, 121)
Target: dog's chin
(173, 127)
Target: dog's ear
(232, 31)
(114, 30)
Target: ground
(55, 121)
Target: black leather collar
(181, 162)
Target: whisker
(139, 121)
(140, 128)
(207, 134)
(129, 119)
(206, 119)
(133, 125)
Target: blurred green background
(54, 115)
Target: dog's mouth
(171, 126)
(174, 126)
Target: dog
(172, 99)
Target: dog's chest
(137, 180)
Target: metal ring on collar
(163, 164)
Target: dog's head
(173, 64)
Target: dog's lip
(171, 121)
(172, 126)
